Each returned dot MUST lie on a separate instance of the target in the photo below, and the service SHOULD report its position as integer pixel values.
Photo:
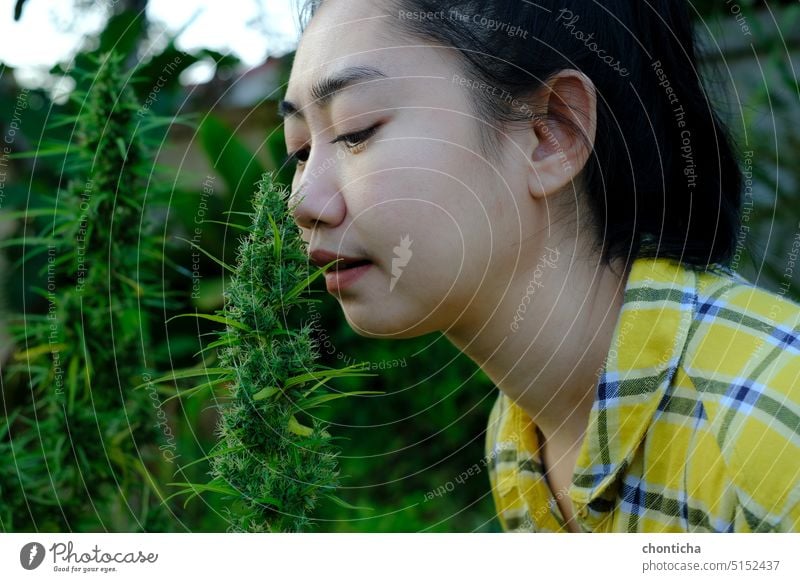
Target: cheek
(432, 202)
(428, 232)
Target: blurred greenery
(98, 434)
(429, 425)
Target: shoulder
(741, 333)
(743, 356)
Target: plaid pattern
(696, 421)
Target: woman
(549, 188)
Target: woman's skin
(487, 236)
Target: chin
(382, 323)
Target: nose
(318, 198)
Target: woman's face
(443, 227)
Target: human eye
(300, 157)
(355, 140)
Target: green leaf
(305, 283)
(209, 255)
(5, 425)
(324, 398)
(32, 213)
(42, 153)
(14, 242)
(138, 289)
(299, 429)
(72, 382)
(214, 318)
(225, 341)
(265, 393)
(197, 489)
(225, 224)
(123, 150)
(33, 353)
(349, 371)
(197, 389)
(183, 375)
(342, 503)
(325, 381)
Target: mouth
(343, 275)
(338, 263)
(347, 266)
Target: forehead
(342, 33)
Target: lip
(335, 279)
(320, 258)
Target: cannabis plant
(274, 460)
(76, 451)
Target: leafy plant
(78, 455)
(274, 459)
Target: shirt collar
(646, 348)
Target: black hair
(663, 178)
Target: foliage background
(428, 428)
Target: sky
(251, 29)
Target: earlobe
(565, 132)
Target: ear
(565, 132)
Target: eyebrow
(324, 90)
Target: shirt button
(583, 512)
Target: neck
(544, 340)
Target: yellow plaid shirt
(695, 425)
